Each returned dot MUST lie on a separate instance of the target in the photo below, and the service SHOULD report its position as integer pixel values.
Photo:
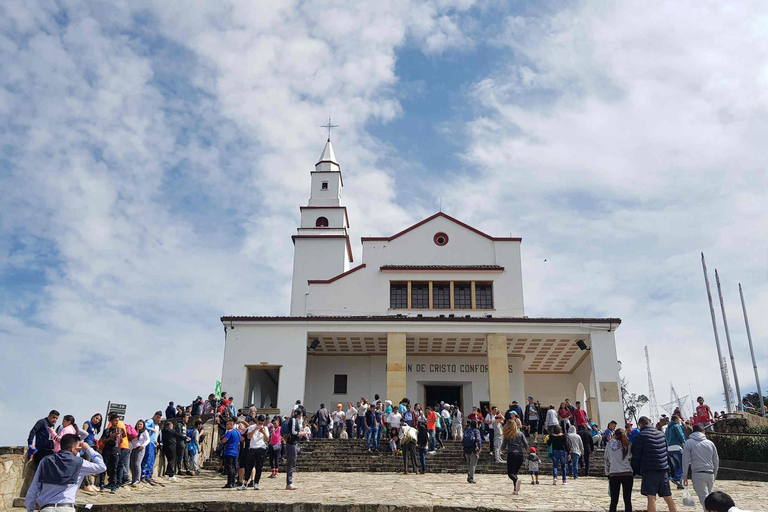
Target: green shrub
(757, 429)
(741, 448)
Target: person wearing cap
(531, 419)
(532, 463)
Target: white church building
(433, 313)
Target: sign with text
(119, 409)
(449, 368)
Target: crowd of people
(113, 454)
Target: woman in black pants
(257, 452)
(619, 470)
(517, 448)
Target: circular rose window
(441, 239)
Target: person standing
(371, 429)
(231, 443)
(489, 419)
(587, 443)
(58, 478)
(138, 445)
(431, 429)
(182, 455)
(275, 447)
(675, 442)
(257, 452)
(40, 445)
(619, 469)
(577, 449)
(338, 418)
(350, 417)
(649, 458)
(170, 411)
(193, 446)
(498, 436)
(456, 423)
(517, 448)
(322, 417)
(531, 418)
(360, 415)
(422, 441)
(579, 416)
(551, 420)
(472, 444)
(560, 449)
(532, 464)
(197, 406)
(700, 455)
(68, 426)
(170, 441)
(148, 463)
(92, 428)
(704, 415)
(112, 440)
(608, 433)
(295, 432)
(564, 417)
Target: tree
(632, 402)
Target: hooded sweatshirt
(700, 453)
(615, 461)
(576, 445)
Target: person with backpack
(291, 431)
(587, 441)
(560, 449)
(471, 444)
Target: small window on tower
(321, 222)
(324, 185)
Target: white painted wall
(334, 214)
(330, 197)
(278, 345)
(315, 258)
(366, 291)
(606, 369)
(366, 376)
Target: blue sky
(153, 157)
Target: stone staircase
(350, 455)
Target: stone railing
(11, 474)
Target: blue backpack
(285, 427)
(469, 441)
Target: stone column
(396, 376)
(606, 374)
(498, 373)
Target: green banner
(218, 389)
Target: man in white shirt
(59, 476)
(489, 419)
(338, 418)
(351, 415)
(446, 420)
(362, 408)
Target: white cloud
(624, 141)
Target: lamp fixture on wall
(315, 343)
(582, 345)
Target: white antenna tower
(731, 395)
(651, 393)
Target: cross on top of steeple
(329, 126)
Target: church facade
(433, 313)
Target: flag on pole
(218, 389)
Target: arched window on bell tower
(321, 222)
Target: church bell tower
(321, 247)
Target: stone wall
(11, 471)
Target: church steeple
(322, 248)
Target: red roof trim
(441, 268)
(327, 208)
(440, 214)
(341, 178)
(349, 246)
(326, 281)
(393, 318)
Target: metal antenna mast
(651, 392)
(752, 351)
(729, 396)
(728, 339)
(723, 368)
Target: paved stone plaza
(366, 491)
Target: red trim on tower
(326, 281)
(440, 214)
(349, 245)
(327, 208)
